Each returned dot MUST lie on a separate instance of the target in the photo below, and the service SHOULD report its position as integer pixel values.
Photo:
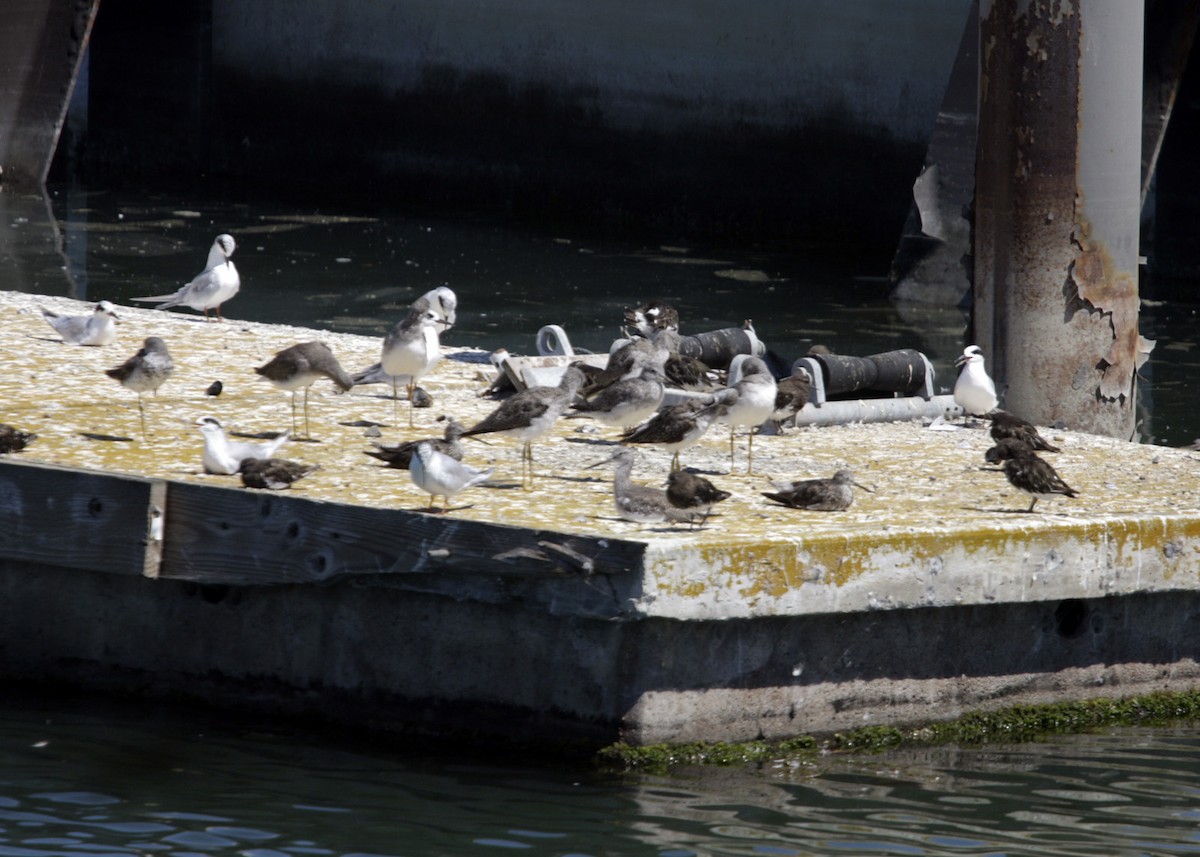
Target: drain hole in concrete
(1070, 618)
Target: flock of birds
(627, 393)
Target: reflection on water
(356, 271)
(112, 780)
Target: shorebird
(300, 366)
(652, 317)
(1027, 472)
(530, 414)
(411, 349)
(13, 439)
(145, 372)
(640, 504)
(676, 427)
(624, 361)
(974, 391)
(753, 406)
(273, 473)
(440, 475)
(693, 494)
(99, 328)
(818, 495)
(791, 394)
(213, 286)
(1006, 425)
(628, 402)
(399, 455)
(225, 456)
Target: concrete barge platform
(538, 614)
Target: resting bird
(400, 455)
(677, 427)
(650, 318)
(213, 286)
(145, 371)
(300, 366)
(692, 493)
(99, 328)
(530, 414)
(225, 456)
(410, 350)
(441, 475)
(1027, 472)
(1006, 425)
(819, 495)
(974, 391)
(273, 473)
(791, 394)
(14, 439)
(753, 406)
(640, 504)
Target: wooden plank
(232, 536)
(77, 518)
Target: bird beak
(605, 461)
(960, 361)
(863, 487)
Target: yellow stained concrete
(930, 488)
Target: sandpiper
(692, 493)
(99, 328)
(1006, 425)
(273, 473)
(399, 455)
(225, 456)
(530, 414)
(411, 349)
(652, 317)
(13, 439)
(974, 391)
(628, 402)
(440, 475)
(145, 372)
(676, 427)
(792, 394)
(625, 360)
(640, 504)
(213, 286)
(1027, 472)
(300, 366)
(818, 495)
(753, 406)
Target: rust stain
(1114, 293)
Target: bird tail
(167, 301)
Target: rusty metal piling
(1057, 209)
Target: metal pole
(1057, 209)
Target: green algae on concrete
(1017, 724)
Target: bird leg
(142, 414)
(527, 466)
(1032, 502)
(307, 432)
(675, 462)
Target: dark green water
(97, 778)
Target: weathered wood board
(80, 518)
(233, 536)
